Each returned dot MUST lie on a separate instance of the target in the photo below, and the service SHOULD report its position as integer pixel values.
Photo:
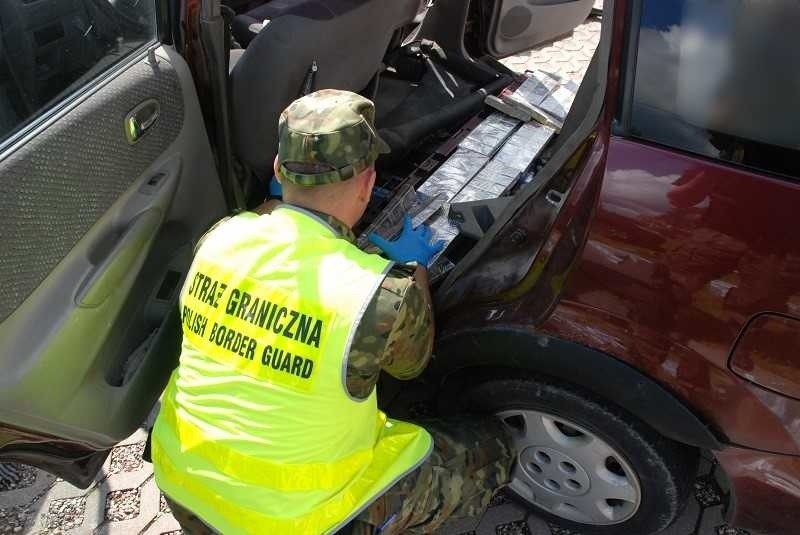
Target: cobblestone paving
(124, 500)
(568, 57)
(127, 502)
(703, 514)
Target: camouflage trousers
(189, 522)
(471, 459)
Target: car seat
(246, 26)
(347, 45)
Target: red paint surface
(766, 489)
(767, 354)
(681, 253)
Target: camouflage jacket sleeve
(395, 334)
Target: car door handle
(127, 252)
(141, 119)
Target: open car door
(107, 181)
(518, 25)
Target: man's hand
(413, 245)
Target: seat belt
(309, 82)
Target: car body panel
(473, 355)
(760, 355)
(670, 275)
(766, 490)
(679, 253)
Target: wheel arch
(462, 355)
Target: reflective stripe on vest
(257, 432)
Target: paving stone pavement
(568, 57)
(124, 500)
(703, 514)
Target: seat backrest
(348, 49)
(309, 9)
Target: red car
(630, 303)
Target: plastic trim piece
(519, 348)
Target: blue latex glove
(412, 245)
(275, 188)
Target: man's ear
(275, 167)
(367, 183)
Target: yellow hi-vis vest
(257, 432)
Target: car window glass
(721, 79)
(50, 48)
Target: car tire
(571, 429)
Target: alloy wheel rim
(569, 471)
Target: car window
(51, 48)
(721, 79)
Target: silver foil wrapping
(454, 174)
(559, 102)
(537, 87)
(490, 134)
(486, 164)
(524, 146)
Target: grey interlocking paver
(139, 436)
(151, 499)
(462, 525)
(95, 511)
(500, 514)
(537, 526)
(127, 480)
(568, 57)
(27, 495)
(161, 525)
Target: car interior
(427, 97)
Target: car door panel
(519, 25)
(98, 234)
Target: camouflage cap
(327, 136)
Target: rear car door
(107, 180)
(518, 25)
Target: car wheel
(587, 465)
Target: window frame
(58, 109)
(623, 119)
